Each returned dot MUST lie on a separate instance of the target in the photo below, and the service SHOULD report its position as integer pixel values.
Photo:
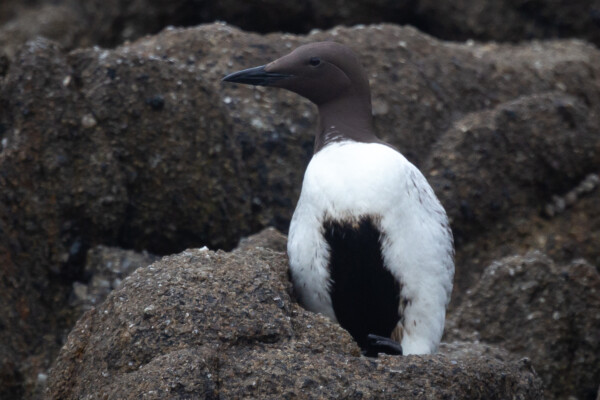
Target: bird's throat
(348, 118)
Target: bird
(369, 244)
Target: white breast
(350, 178)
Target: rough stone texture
(223, 325)
(573, 231)
(142, 147)
(269, 238)
(511, 20)
(518, 161)
(495, 172)
(535, 308)
(76, 23)
(56, 22)
(105, 269)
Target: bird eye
(314, 61)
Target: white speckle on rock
(80, 290)
(88, 121)
(380, 107)
(257, 123)
(42, 377)
(227, 100)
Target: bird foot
(379, 344)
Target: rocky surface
(513, 20)
(75, 23)
(142, 147)
(535, 308)
(223, 325)
(573, 232)
(104, 271)
(268, 238)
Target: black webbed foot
(379, 344)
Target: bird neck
(345, 118)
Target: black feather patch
(364, 293)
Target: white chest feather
(347, 180)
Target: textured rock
(105, 269)
(75, 23)
(57, 22)
(569, 234)
(518, 160)
(269, 238)
(512, 20)
(495, 171)
(532, 307)
(142, 147)
(206, 324)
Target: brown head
(328, 74)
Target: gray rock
(58, 22)
(206, 324)
(75, 23)
(105, 269)
(492, 168)
(514, 20)
(537, 309)
(268, 238)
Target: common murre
(369, 243)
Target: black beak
(255, 76)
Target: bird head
(321, 72)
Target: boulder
(566, 227)
(75, 23)
(533, 307)
(510, 20)
(206, 324)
